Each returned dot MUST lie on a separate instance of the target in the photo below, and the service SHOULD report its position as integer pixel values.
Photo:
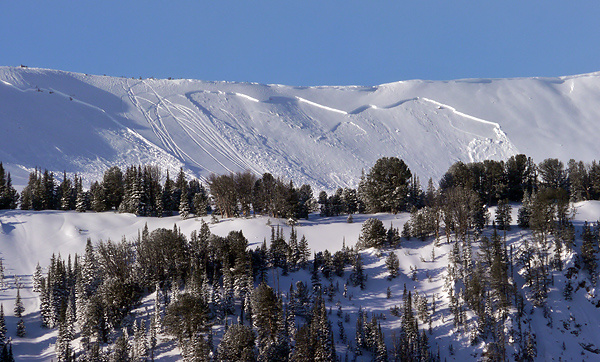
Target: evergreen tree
(113, 188)
(503, 215)
(139, 350)
(8, 194)
(66, 190)
(358, 277)
(303, 350)
(184, 206)
(19, 310)
(372, 234)
(3, 330)
(303, 252)
(393, 264)
(267, 316)
(385, 188)
(201, 202)
(589, 250)
(81, 203)
(97, 197)
(63, 348)
(321, 333)
(120, 352)
(237, 345)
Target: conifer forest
(506, 229)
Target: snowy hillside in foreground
(27, 237)
(323, 136)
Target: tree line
(389, 186)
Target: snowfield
(323, 136)
(28, 237)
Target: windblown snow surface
(323, 136)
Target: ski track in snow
(239, 126)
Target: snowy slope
(28, 237)
(323, 136)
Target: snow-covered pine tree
(37, 278)
(589, 250)
(293, 251)
(19, 310)
(63, 347)
(66, 193)
(120, 350)
(3, 330)
(392, 264)
(372, 234)
(266, 316)
(321, 332)
(503, 215)
(139, 350)
(304, 252)
(358, 277)
(184, 206)
(81, 201)
(524, 213)
(237, 345)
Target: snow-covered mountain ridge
(324, 136)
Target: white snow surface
(323, 136)
(28, 237)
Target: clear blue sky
(305, 42)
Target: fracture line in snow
(245, 96)
(320, 105)
(510, 148)
(459, 112)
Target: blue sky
(325, 42)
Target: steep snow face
(324, 136)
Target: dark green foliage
(19, 310)
(237, 345)
(463, 211)
(244, 182)
(113, 188)
(392, 264)
(3, 329)
(372, 234)
(267, 317)
(163, 256)
(524, 213)
(589, 250)
(552, 174)
(385, 188)
(222, 188)
(185, 317)
(8, 194)
(40, 192)
(503, 215)
(358, 277)
(520, 176)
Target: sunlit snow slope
(324, 136)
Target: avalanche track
(323, 136)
